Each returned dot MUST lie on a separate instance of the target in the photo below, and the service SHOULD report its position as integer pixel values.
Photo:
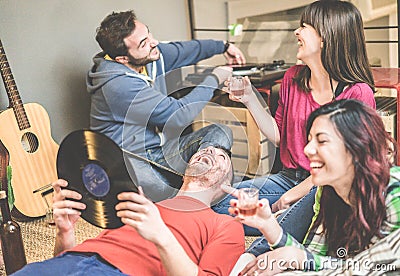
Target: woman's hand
(293, 195)
(255, 267)
(280, 205)
(66, 209)
(275, 261)
(259, 220)
(248, 91)
(262, 216)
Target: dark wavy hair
(344, 54)
(112, 31)
(366, 139)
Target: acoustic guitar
(25, 132)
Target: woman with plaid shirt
(358, 196)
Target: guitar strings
(8, 78)
(16, 102)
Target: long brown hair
(344, 53)
(365, 138)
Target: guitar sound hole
(29, 142)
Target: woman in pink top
(335, 66)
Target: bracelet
(226, 46)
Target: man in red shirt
(178, 236)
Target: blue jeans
(159, 184)
(271, 187)
(295, 221)
(70, 264)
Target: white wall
(49, 45)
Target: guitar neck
(12, 91)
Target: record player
(260, 74)
(253, 68)
(264, 74)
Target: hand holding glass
(247, 201)
(236, 86)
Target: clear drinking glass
(247, 201)
(49, 220)
(236, 86)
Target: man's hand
(222, 73)
(137, 211)
(66, 211)
(140, 213)
(233, 55)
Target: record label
(95, 180)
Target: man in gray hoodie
(131, 105)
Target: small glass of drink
(49, 220)
(236, 86)
(247, 201)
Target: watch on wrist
(227, 44)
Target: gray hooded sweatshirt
(135, 110)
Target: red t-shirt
(213, 241)
(294, 107)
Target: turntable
(262, 75)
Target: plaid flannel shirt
(380, 259)
(314, 246)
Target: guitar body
(33, 154)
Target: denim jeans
(271, 187)
(70, 264)
(295, 221)
(159, 184)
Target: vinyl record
(94, 166)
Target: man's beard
(208, 176)
(197, 169)
(138, 62)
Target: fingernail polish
(260, 204)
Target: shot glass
(49, 220)
(247, 201)
(236, 86)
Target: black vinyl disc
(94, 166)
